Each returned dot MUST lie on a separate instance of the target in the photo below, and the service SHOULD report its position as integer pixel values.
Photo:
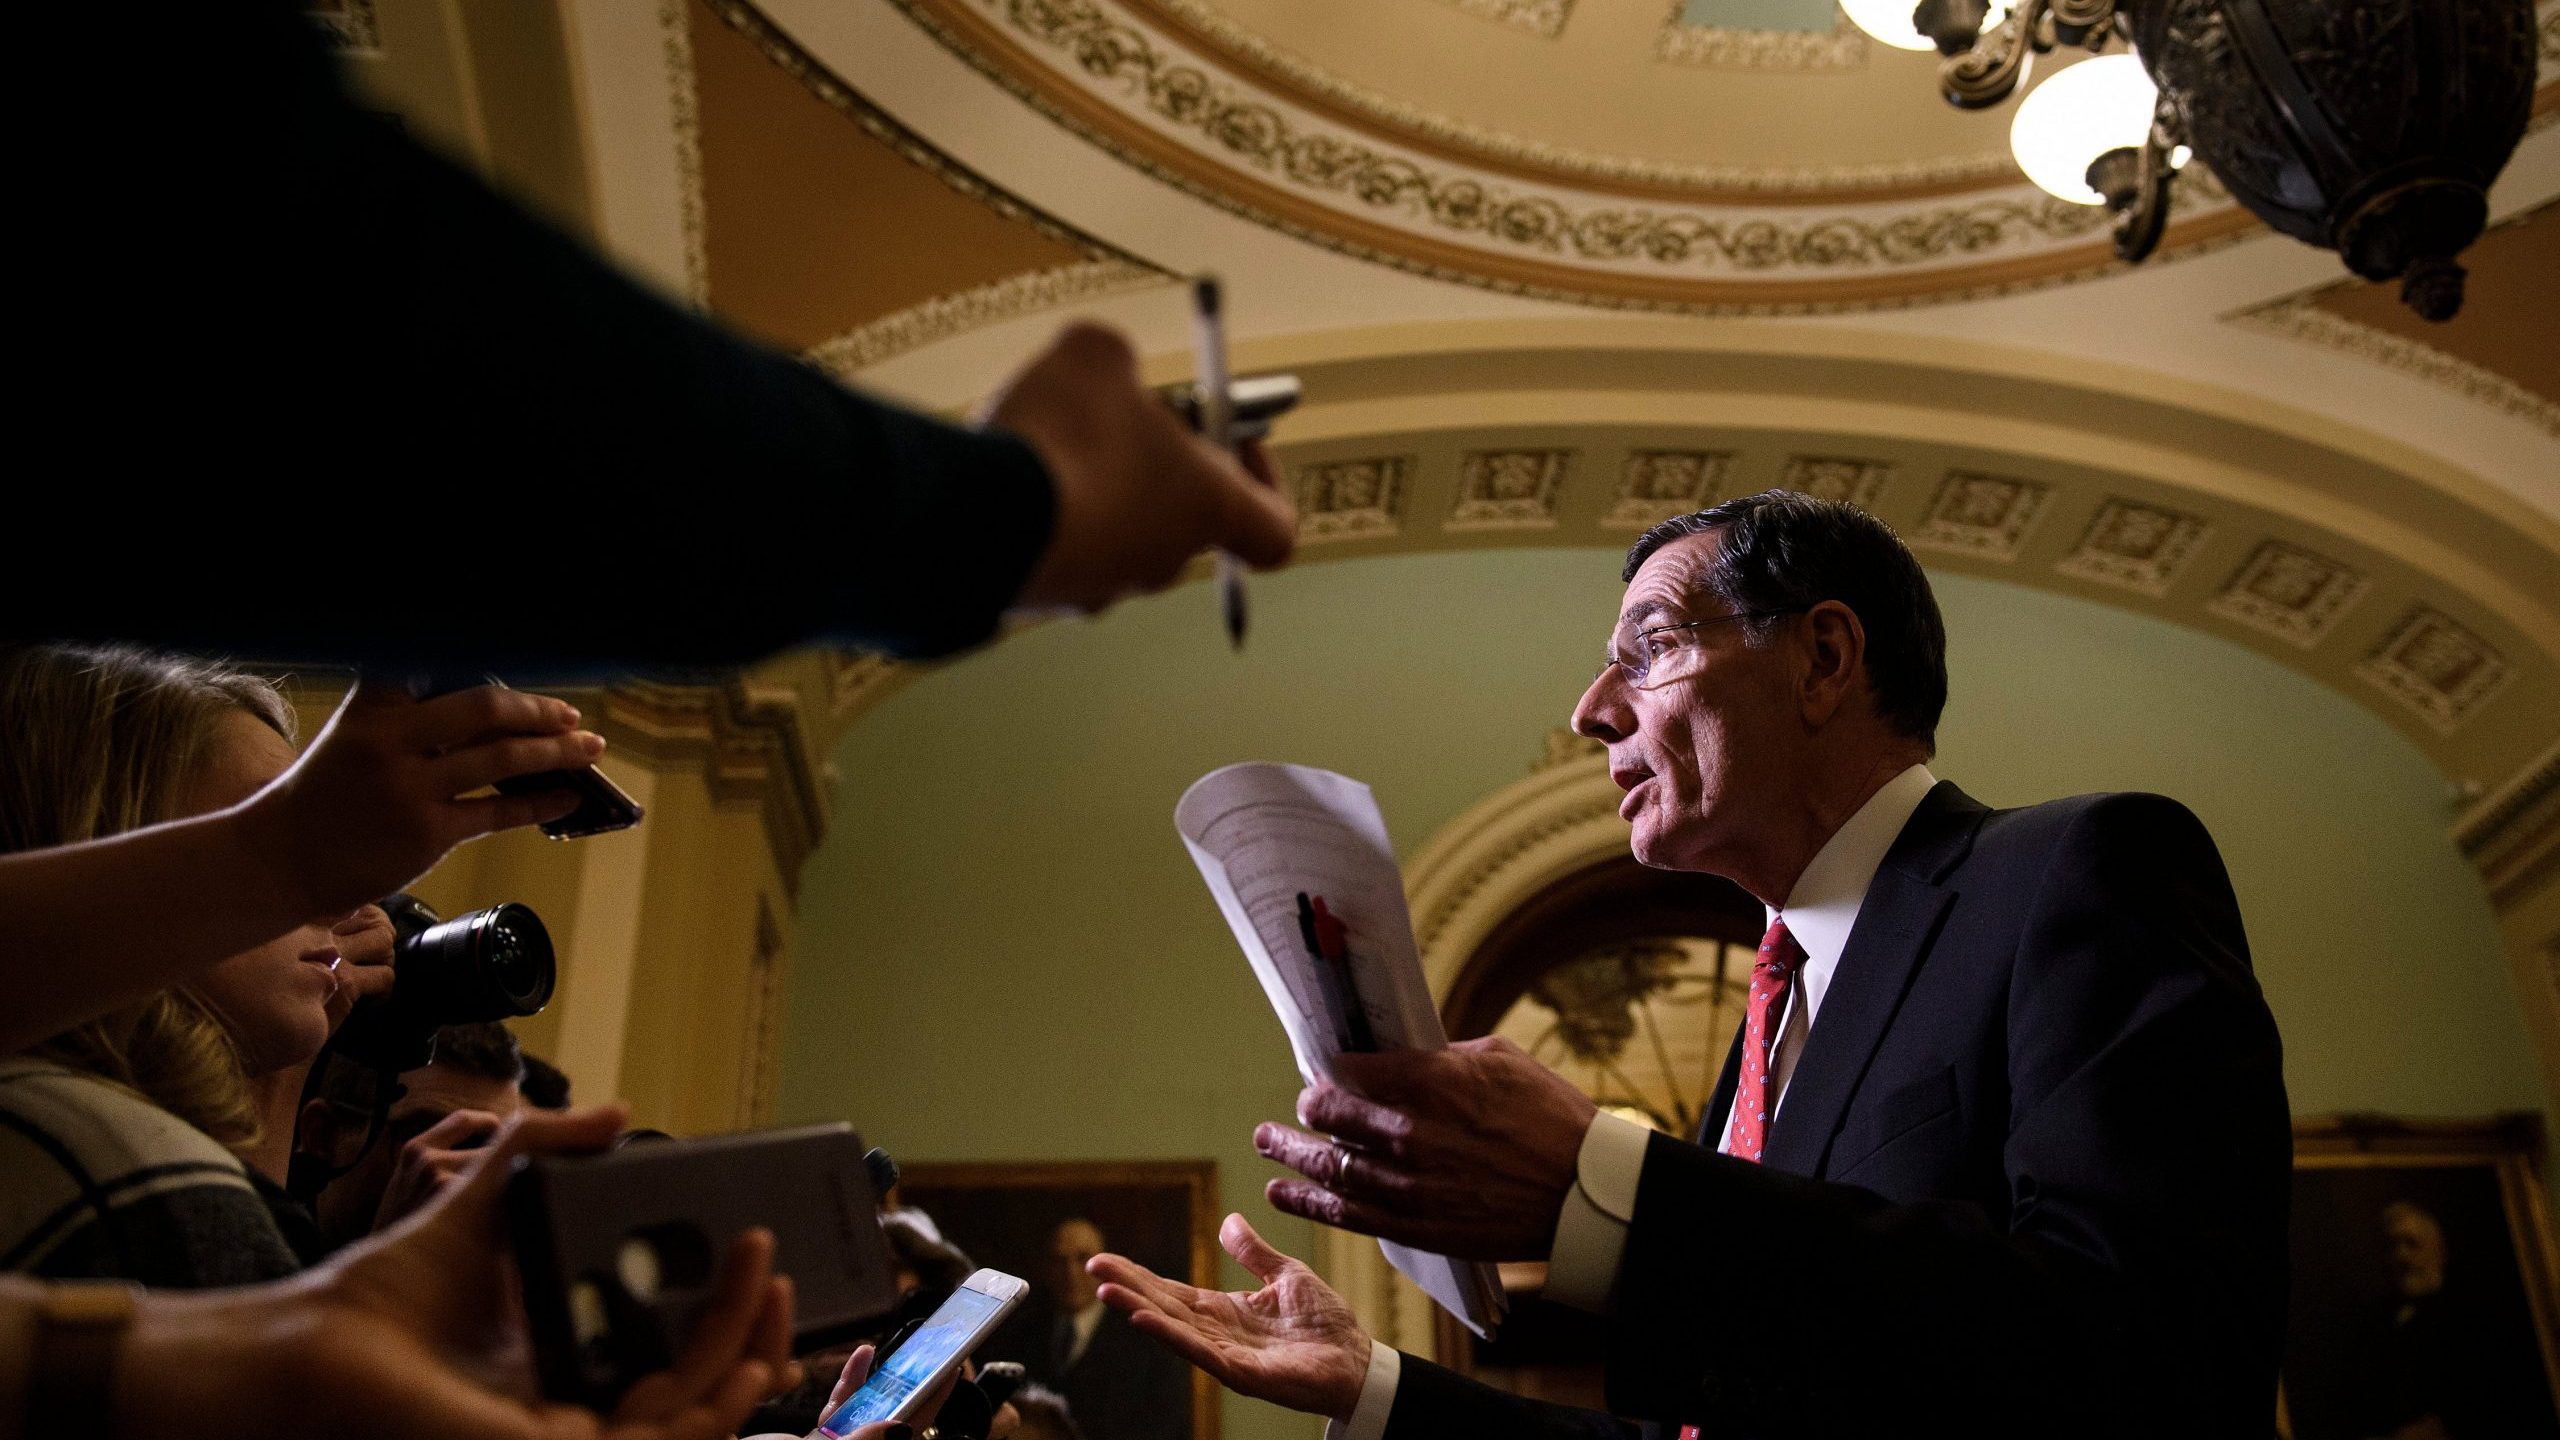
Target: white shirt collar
(1824, 905)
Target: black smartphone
(619, 1251)
(602, 805)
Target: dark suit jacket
(1126, 1386)
(2030, 1177)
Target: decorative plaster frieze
(2436, 666)
(1826, 477)
(1659, 484)
(675, 28)
(2300, 317)
(1287, 72)
(1148, 78)
(1353, 499)
(2289, 592)
(1981, 515)
(750, 741)
(2135, 547)
(947, 315)
(1509, 489)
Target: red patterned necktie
(1753, 1100)
(1757, 1096)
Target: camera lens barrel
(491, 964)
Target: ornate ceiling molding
(2513, 833)
(827, 85)
(2301, 317)
(1842, 47)
(947, 315)
(750, 741)
(1140, 95)
(675, 27)
(1198, 28)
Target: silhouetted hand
(1139, 494)
(418, 1333)
(377, 798)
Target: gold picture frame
(2405, 1232)
(1161, 1213)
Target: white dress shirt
(1591, 1231)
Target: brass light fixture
(2368, 127)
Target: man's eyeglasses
(1651, 645)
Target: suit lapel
(1897, 921)
(1711, 1124)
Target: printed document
(1272, 841)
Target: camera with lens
(493, 964)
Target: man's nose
(1603, 713)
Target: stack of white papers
(1265, 835)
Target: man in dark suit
(2002, 1148)
(1116, 1384)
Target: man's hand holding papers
(1466, 1151)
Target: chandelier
(2368, 127)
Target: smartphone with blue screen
(901, 1383)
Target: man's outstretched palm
(1294, 1342)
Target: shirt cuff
(1377, 1397)
(1591, 1230)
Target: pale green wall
(1005, 954)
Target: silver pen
(1209, 373)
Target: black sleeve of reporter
(2135, 1289)
(488, 443)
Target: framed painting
(1041, 1220)
(2425, 1300)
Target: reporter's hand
(1468, 1151)
(364, 940)
(1294, 1342)
(430, 1160)
(375, 801)
(857, 1368)
(1139, 494)
(418, 1333)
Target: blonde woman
(122, 1139)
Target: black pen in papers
(1328, 942)
(1217, 416)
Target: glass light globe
(1889, 21)
(2077, 115)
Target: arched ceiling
(2233, 436)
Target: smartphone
(902, 1381)
(618, 1252)
(602, 805)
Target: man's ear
(1836, 660)
(315, 1131)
